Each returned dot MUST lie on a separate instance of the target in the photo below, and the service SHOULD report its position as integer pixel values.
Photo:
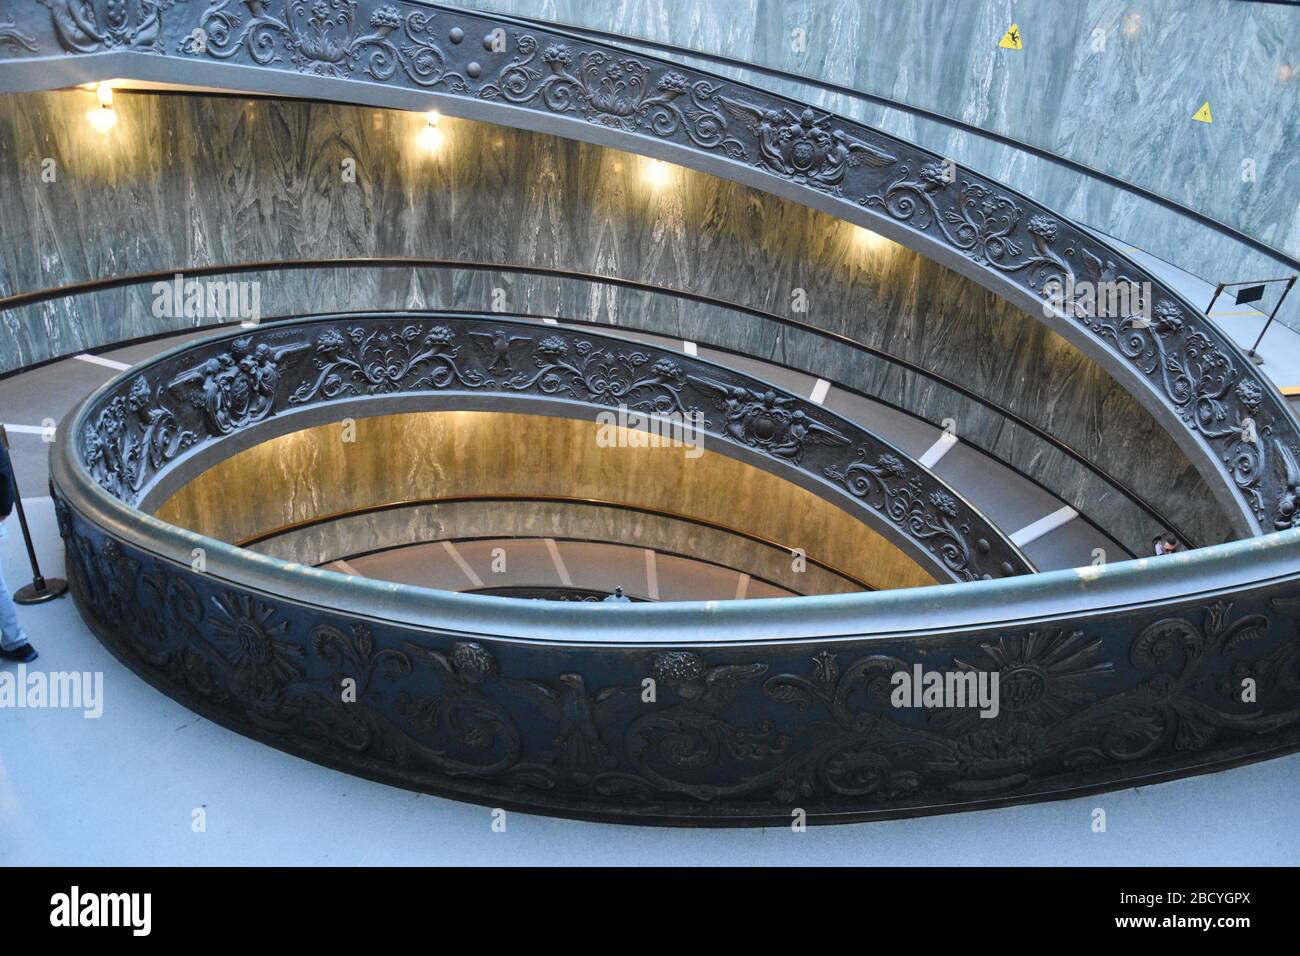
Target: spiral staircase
(887, 443)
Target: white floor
(122, 789)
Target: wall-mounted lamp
(871, 241)
(103, 117)
(658, 173)
(431, 136)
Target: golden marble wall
(422, 455)
(458, 519)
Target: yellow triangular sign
(1203, 114)
(1011, 39)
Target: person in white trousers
(14, 645)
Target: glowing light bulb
(658, 173)
(103, 117)
(431, 139)
(431, 136)
(870, 240)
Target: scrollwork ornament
(604, 375)
(16, 39)
(617, 91)
(1191, 364)
(379, 361)
(929, 514)
(747, 734)
(132, 436)
(325, 38)
(82, 26)
(136, 433)
(667, 748)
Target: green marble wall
(191, 180)
(1108, 83)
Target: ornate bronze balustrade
(760, 708)
(183, 404)
(1236, 429)
(1115, 676)
(1110, 676)
(1134, 540)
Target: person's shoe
(23, 654)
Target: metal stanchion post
(1252, 352)
(41, 589)
(1255, 356)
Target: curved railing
(175, 414)
(725, 713)
(753, 72)
(1102, 483)
(324, 539)
(1235, 428)
(730, 712)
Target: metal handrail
(168, 416)
(630, 43)
(411, 503)
(112, 282)
(1115, 676)
(995, 235)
